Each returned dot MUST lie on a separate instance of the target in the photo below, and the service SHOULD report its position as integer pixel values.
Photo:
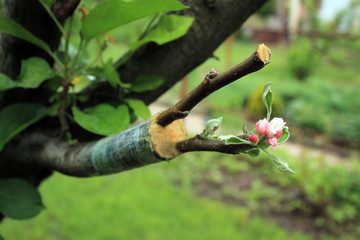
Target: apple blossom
(272, 142)
(261, 127)
(275, 125)
(278, 133)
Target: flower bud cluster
(268, 131)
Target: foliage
(77, 73)
(330, 193)
(322, 193)
(19, 199)
(17, 117)
(302, 59)
(333, 113)
(267, 9)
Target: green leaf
(11, 27)
(19, 199)
(268, 99)
(48, 3)
(254, 152)
(17, 117)
(284, 136)
(246, 131)
(1, 238)
(139, 108)
(114, 13)
(112, 76)
(279, 163)
(232, 139)
(146, 83)
(6, 83)
(103, 119)
(34, 71)
(211, 126)
(169, 28)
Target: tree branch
(149, 142)
(213, 82)
(199, 143)
(172, 61)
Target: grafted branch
(213, 82)
(146, 143)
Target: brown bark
(213, 24)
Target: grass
(139, 204)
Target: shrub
(302, 59)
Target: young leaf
(139, 108)
(246, 131)
(146, 83)
(111, 74)
(103, 119)
(268, 99)
(34, 71)
(232, 139)
(6, 83)
(169, 28)
(17, 117)
(11, 27)
(110, 14)
(254, 152)
(279, 163)
(211, 126)
(19, 199)
(284, 136)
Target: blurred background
(314, 70)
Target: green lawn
(139, 204)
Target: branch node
(181, 114)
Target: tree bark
(214, 22)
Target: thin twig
(199, 143)
(213, 82)
(61, 112)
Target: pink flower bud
(272, 142)
(279, 133)
(261, 127)
(253, 138)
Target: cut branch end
(264, 53)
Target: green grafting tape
(126, 150)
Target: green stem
(62, 30)
(67, 45)
(81, 46)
